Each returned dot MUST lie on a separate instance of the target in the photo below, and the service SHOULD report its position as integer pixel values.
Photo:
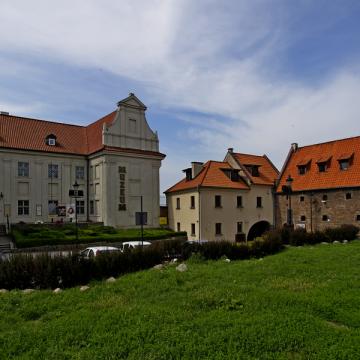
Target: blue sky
(252, 75)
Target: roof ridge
(41, 120)
(331, 141)
(237, 153)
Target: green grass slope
(300, 304)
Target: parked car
(91, 252)
(130, 245)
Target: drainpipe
(199, 212)
(87, 190)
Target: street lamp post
(142, 221)
(76, 187)
(289, 182)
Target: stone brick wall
(321, 209)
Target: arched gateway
(258, 229)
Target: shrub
(344, 232)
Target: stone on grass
(345, 241)
(227, 260)
(110, 280)
(182, 267)
(336, 242)
(84, 288)
(28, 291)
(57, 290)
(3, 291)
(174, 260)
(325, 243)
(159, 267)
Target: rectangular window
(39, 210)
(53, 171)
(79, 172)
(348, 196)
(217, 201)
(302, 169)
(239, 227)
(239, 202)
(178, 227)
(344, 164)
(325, 218)
(23, 207)
(91, 207)
(91, 173)
(23, 169)
(178, 203)
(192, 229)
(322, 167)
(97, 171)
(192, 202)
(358, 217)
(302, 218)
(259, 202)
(218, 229)
(80, 207)
(52, 205)
(302, 198)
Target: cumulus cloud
(220, 59)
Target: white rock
(110, 280)
(261, 259)
(84, 288)
(345, 241)
(57, 290)
(174, 260)
(182, 267)
(3, 291)
(159, 267)
(325, 243)
(336, 242)
(28, 291)
(227, 260)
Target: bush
(344, 232)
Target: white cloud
(208, 56)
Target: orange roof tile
(333, 177)
(29, 134)
(267, 171)
(211, 175)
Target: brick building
(325, 186)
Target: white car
(91, 252)
(129, 245)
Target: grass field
(303, 303)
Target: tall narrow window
(259, 202)
(217, 201)
(53, 171)
(122, 188)
(91, 207)
(193, 230)
(239, 202)
(192, 202)
(178, 203)
(79, 172)
(218, 229)
(239, 227)
(52, 206)
(348, 196)
(178, 227)
(23, 169)
(80, 207)
(23, 207)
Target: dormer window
(322, 167)
(323, 163)
(232, 174)
(253, 170)
(50, 140)
(188, 173)
(345, 161)
(303, 166)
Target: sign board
(61, 210)
(141, 220)
(70, 211)
(163, 220)
(76, 193)
(300, 226)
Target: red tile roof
(29, 134)
(333, 177)
(268, 173)
(211, 175)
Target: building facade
(224, 200)
(325, 186)
(115, 161)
